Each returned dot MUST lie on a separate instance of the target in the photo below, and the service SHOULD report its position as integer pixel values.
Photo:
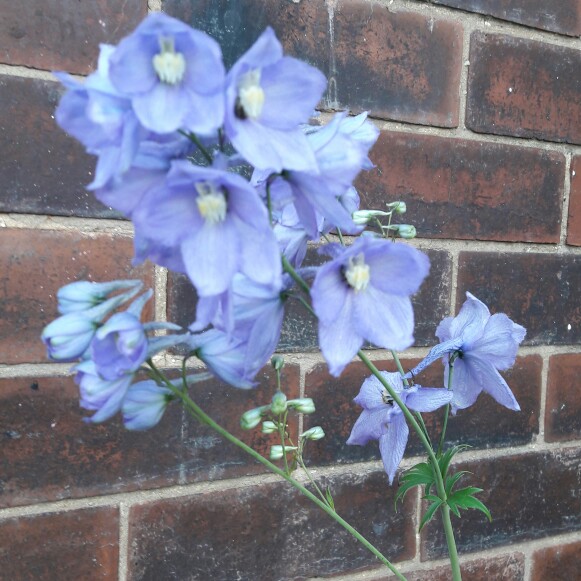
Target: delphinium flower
(317, 194)
(382, 419)
(364, 294)
(219, 223)
(173, 75)
(144, 404)
(481, 345)
(268, 96)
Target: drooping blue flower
(268, 96)
(83, 294)
(173, 75)
(144, 405)
(219, 223)
(382, 419)
(120, 345)
(484, 344)
(104, 396)
(364, 294)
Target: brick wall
(479, 106)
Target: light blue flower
(144, 405)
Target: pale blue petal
(392, 445)
(428, 399)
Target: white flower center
(250, 95)
(211, 202)
(169, 65)
(357, 273)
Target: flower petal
(392, 445)
(428, 399)
(492, 383)
(370, 425)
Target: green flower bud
(303, 405)
(278, 405)
(269, 427)
(253, 417)
(276, 451)
(398, 207)
(277, 362)
(406, 231)
(362, 217)
(315, 433)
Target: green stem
(447, 411)
(287, 267)
(195, 139)
(198, 413)
(452, 550)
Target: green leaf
(451, 481)
(329, 498)
(419, 475)
(431, 510)
(446, 458)
(464, 498)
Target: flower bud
(276, 452)
(304, 405)
(269, 427)
(398, 207)
(253, 417)
(315, 433)
(277, 362)
(406, 231)
(278, 405)
(363, 217)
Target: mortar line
(123, 541)
(566, 199)
(464, 71)
(161, 281)
(154, 5)
(543, 403)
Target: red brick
(506, 567)
(538, 291)
(457, 188)
(524, 88)
(530, 496)
(486, 424)
(563, 16)
(43, 170)
(268, 532)
(561, 563)
(397, 65)
(80, 544)
(302, 27)
(34, 264)
(64, 35)
(574, 220)
(563, 408)
(49, 453)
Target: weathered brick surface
(484, 425)
(63, 35)
(563, 17)
(302, 27)
(561, 563)
(43, 170)
(49, 453)
(507, 567)
(80, 544)
(457, 188)
(563, 408)
(574, 220)
(268, 532)
(299, 332)
(538, 291)
(529, 497)
(34, 264)
(524, 88)
(398, 65)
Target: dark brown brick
(206, 455)
(398, 65)
(538, 291)
(524, 88)
(574, 220)
(43, 170)
(484, 425)
(506, 567)
(562, 563)
(529, 496)
(34, 264)
(267, 532)
(456, 188)
(563, 408)
(299, 331)
(302, 27)
(563, 17)
(63, 35)
(48, 453)
(80, 544)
